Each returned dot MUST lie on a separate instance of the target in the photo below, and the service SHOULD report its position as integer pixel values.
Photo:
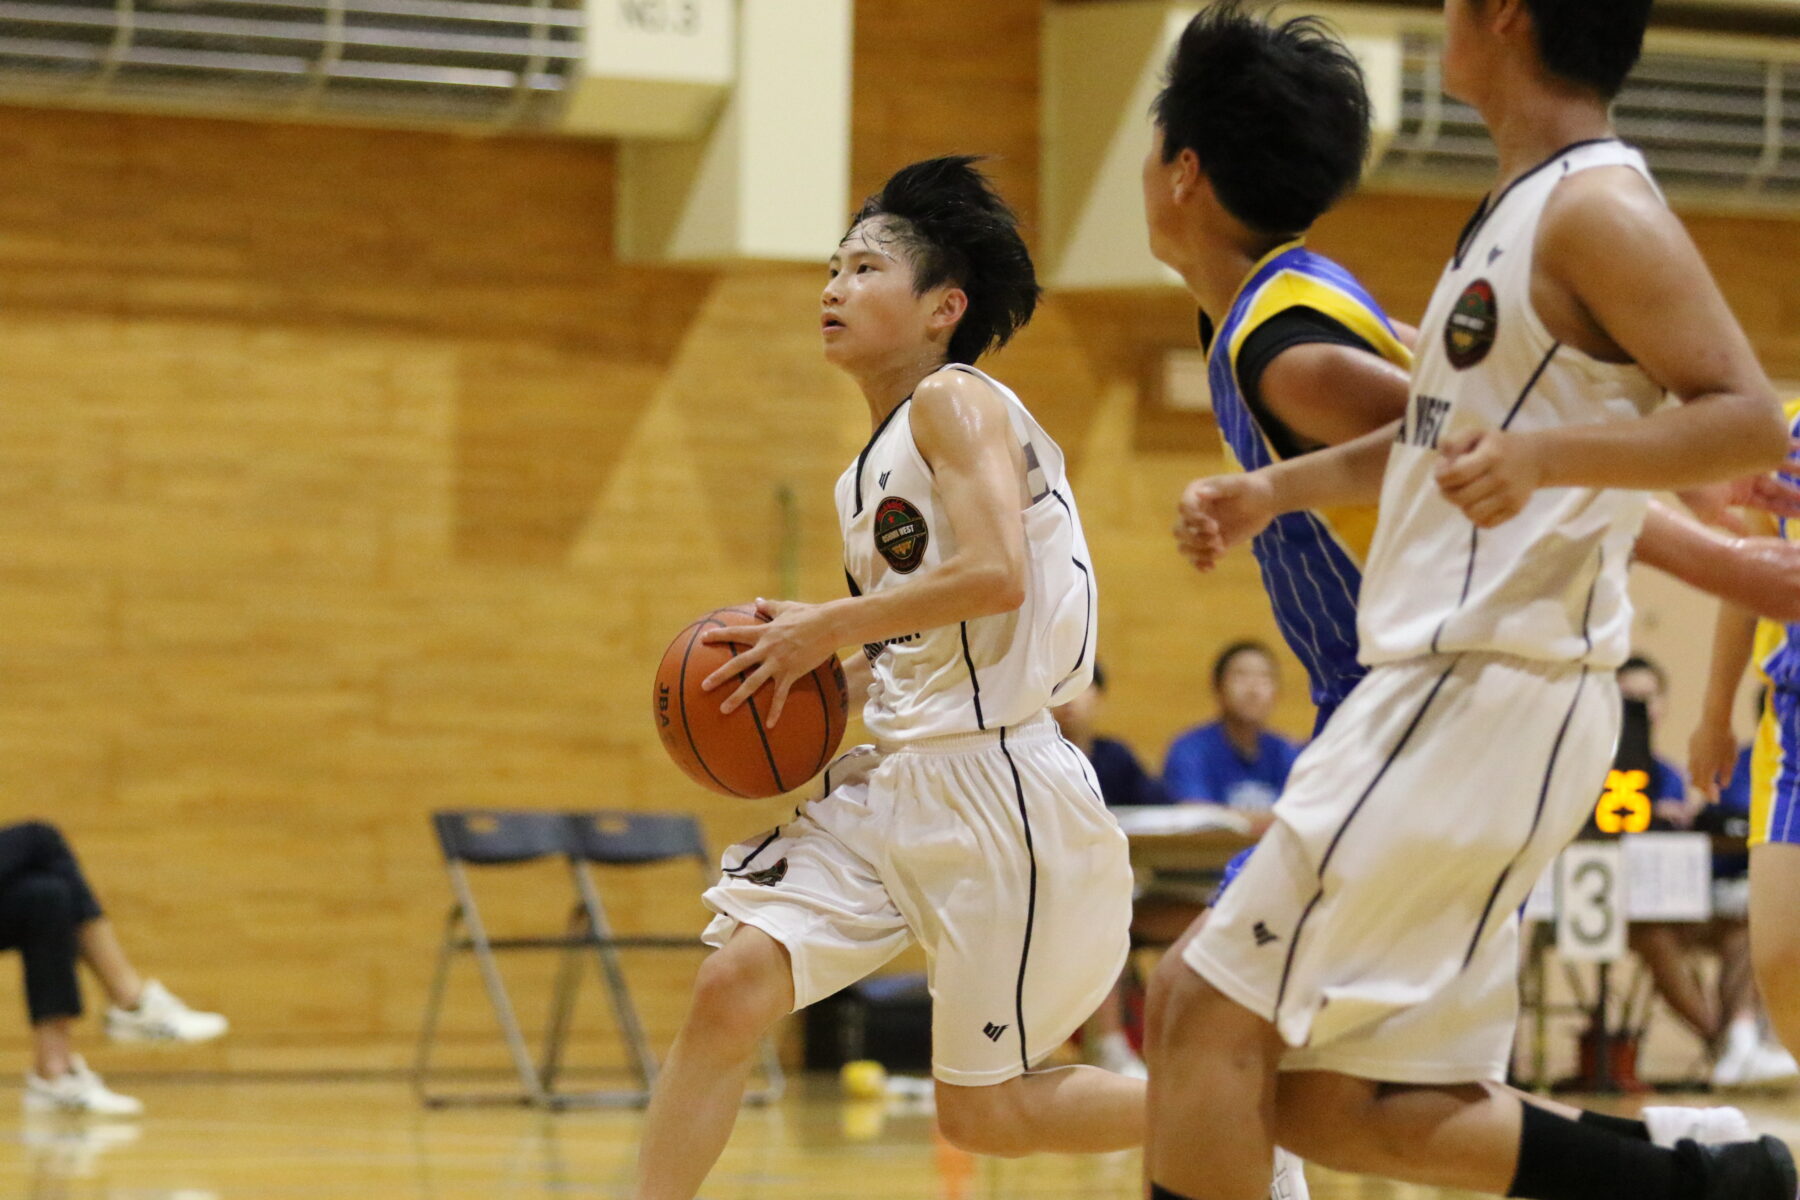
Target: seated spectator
(1123, 780)
(49, 914)
(1235, 761)
(1725, 1022)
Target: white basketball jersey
(989, 672)
(1550, 584)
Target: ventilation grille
(497, 62)
(1707, 125)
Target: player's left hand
(1489, 475)
(783, 649)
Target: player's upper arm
(1614, 247)
(963, 429)
(1330, 393)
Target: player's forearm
(1710, 439)
(1734, 636)
(1346, 474)
(1759, 574)
(958, 589)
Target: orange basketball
(737, 754)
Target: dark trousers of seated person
(44, 902)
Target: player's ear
(952, 303)
(1186, 178)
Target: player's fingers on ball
(732, 635)
(779, 703)
(746, 689)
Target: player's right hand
(1218, 513)
(1712, 757)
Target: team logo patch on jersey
(900, 534)
(1474, 323)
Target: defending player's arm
(1619, 278)
(1349, 398)
(1761, 574)
(1218, 513)
(964, 430)
(1713, 751)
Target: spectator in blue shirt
(1123, 780)
(1235, 761)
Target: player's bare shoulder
(954, 413)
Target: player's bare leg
(1213, 1067)
(741, 991)
(1068, 1110)
(1774, 937)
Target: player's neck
(1216, 271)
(1533, 120)
(886, 386)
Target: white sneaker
(1290, 1178)
(1114, 1053)
(160, 1017)
(1762, 1066)
(78, 1092)
(1708, 1126)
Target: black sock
(1625, 1127)
(1560, 1159)
(1159, 1192)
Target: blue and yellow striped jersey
(1311, 561)
(1777, 653)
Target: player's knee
(739, 994)
(44, 903)
(984, 1120)
(1174, 994)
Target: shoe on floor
(1708, 1126)
(1763, 1065)
(77, 1092)
(161, 1017)
(1760, 1170)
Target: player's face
(1159, 202)
(1247, 690)
(869, 311)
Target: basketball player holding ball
(971, 826)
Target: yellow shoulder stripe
(1292, 289)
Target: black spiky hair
(1276, 111)
(953, 228)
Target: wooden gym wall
(346, 474)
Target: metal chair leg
(434, 1004)
(496, 989)
(562, 1010)
(613, 972)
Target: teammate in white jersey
(971, 827)
(1373, 936)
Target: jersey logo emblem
(1264, 935)
(900, 534)
(993, 1031)
(1474, 323)
(882, 481)
(1494, 255)
(769, 876)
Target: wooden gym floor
(296, 1141)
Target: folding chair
(626, 839)
(485, 838)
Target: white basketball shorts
(992, 850)
(1377, 924)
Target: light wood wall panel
(346, 474)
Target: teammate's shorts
(992, 850)
(1377, 924)
(1775, 771)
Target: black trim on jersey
(1325, 863)
(1587, 613)
(1475, 532)
(850, 581)
(1300, 325)
(974, 679)
(1536, 818)
(1207, 332)
(1536, 375)
(681, 702)
(1490, 204)
(863, 456)
(1087, 577)
(751, 857)
(1030, 906)
(1087, 765)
